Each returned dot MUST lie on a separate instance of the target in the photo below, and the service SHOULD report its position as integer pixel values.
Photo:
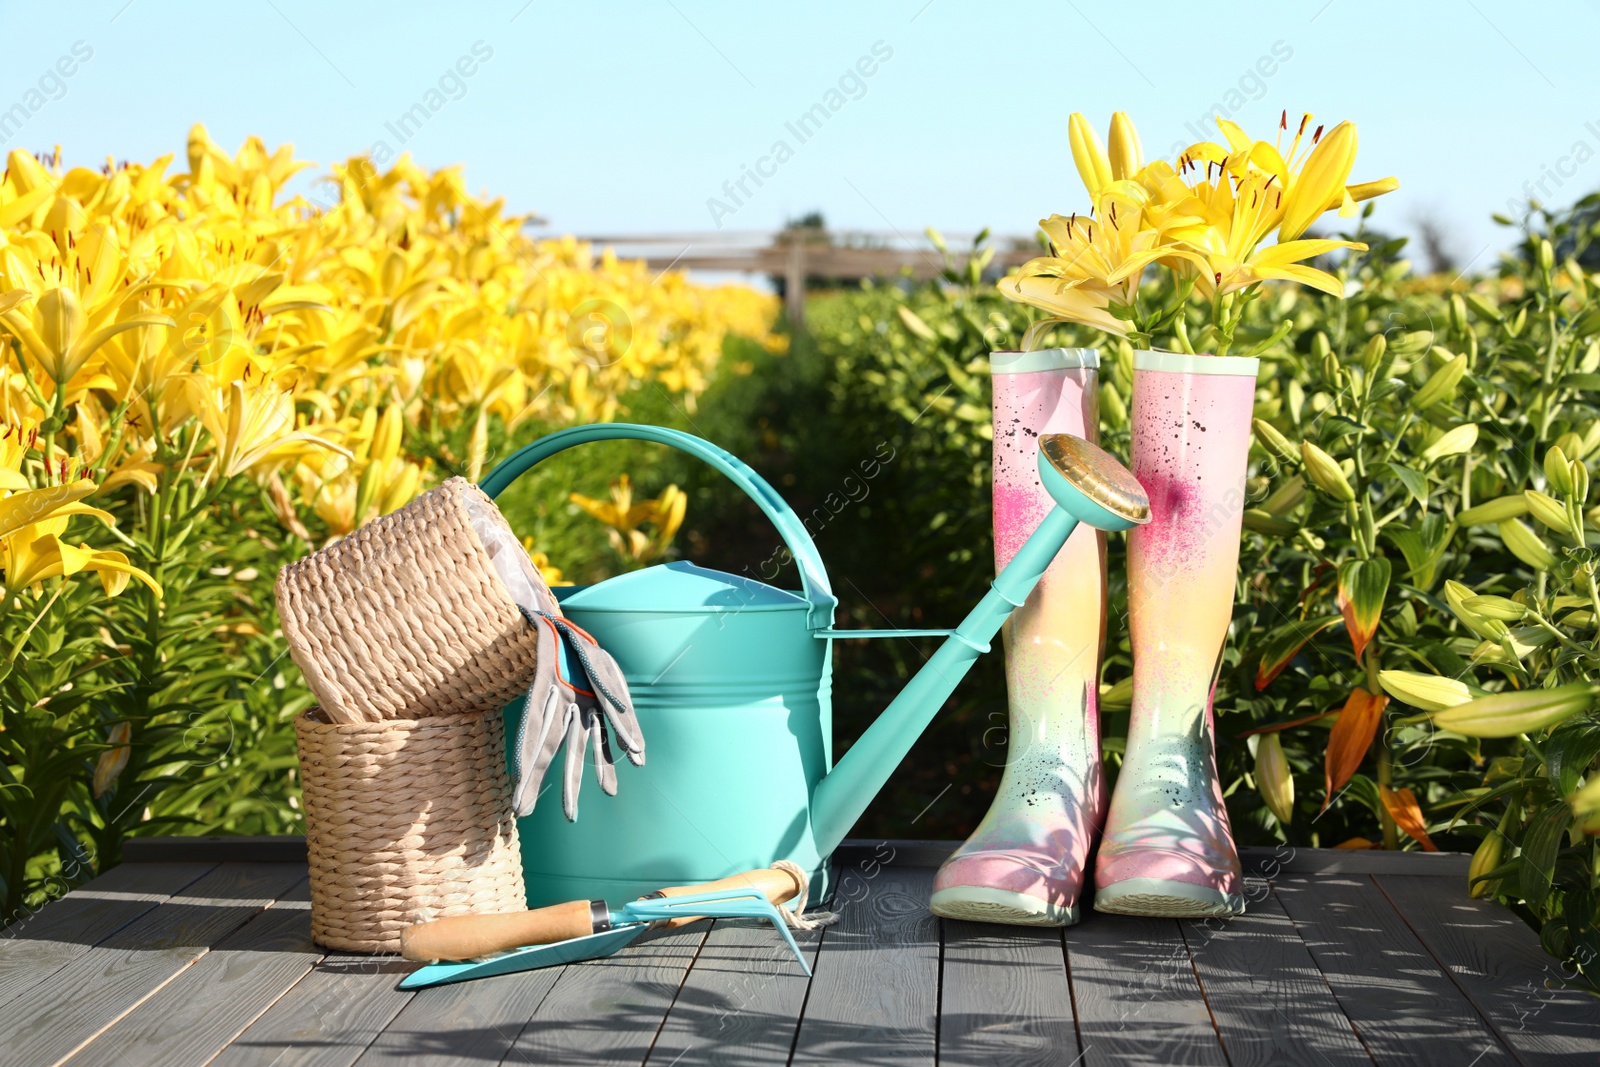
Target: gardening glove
(578, 696)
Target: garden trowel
(480, 946)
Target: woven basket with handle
(411, 615)
(406, 820)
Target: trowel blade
(532, 958)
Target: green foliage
(1387, 423)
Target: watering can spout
(1088, 486)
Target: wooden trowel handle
(465, 937)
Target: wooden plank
(1136, 995)
(465, 1023)
(328, 1019)
(273, 848)
(875, 994)
(1004, 997)
(34, 948)
(1496, 961)
(1259, 862)
(1268, 1001)
(1390, 988)
(1269, 863)
(192, 1017)
(609, 1011)
(53, 1018)
(745, 991)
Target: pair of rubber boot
(1164, 846)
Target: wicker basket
(406, 820)
(415, 614)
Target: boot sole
(980, 904)
(1167, 899)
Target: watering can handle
(813, 577)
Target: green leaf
(1284, 643)
(1569, 751)
(1416, 484)
(1363, 583)
(1422, 547)
(1581, 381)
(1541, 844)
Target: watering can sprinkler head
(1090, 485)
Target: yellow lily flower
(1247, 192)
(31, 548)
(34, 553)
(622, 518)
(252, 425)
(58, 334)
(18, 511)
(1098, 262)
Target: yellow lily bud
(1426, 692)
(1325, 473)
(1547, 509)
(1484, 860)
(1320, 348)
(1580, 482)
(1372, 355)
(1273, 441)
(1117, 697)
(1557, 471)
(1578, 279)
(1571, 445)
(1412, 342)
(1093, 166)
(1112, 409)
(1510, 714)
(1586, 801)
(1288, 496)
(1274, 777)
(1483, 307)
(1591, 439)
(478, 447)
(1496, 607)
(1458, 313)
(1264, 522)
(1456, 596)
(1453, 442)
(386, 436)
(1321, 182)
(402, 489)
(1441, 384)
(1547, 255)
(1126, 156)
(1526, 546)
(1495, 511)
(113, 760)
(1367, 190)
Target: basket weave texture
(406, 618)
(407, 820)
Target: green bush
(1384, 383)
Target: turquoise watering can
(732, 683)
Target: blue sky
(631, 117)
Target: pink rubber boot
(1167, 848)
(1025, 863)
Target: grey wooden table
(197, 951)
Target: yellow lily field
(194, 324)
(203, 376)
